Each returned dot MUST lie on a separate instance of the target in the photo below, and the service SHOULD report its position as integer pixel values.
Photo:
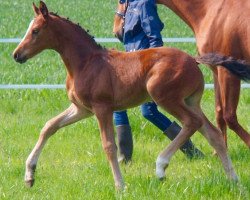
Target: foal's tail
(240, 68)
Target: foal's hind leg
(190, 123)
(69, 116)
(212, 134)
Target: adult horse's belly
(226, 34)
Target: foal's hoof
(214, 153)
(162, 178)
(160, 172)
(161, 166)
(234, 178)
(120, 187)
(30, 183)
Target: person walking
(142, 30)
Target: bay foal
(219, 26)
(100, 81)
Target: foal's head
(38, 36)
(119, 19)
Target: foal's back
(152, 73)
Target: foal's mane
(79, 28)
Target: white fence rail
(62, 86)
(107, 40)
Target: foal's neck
(190, 11)
(74, 44)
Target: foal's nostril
(15, 56)
(18, 58)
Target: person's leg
(124, 136)
(170, 129)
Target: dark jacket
(142, 25)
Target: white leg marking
(161, 165)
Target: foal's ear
(36, 9)
(44, 10)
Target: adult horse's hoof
(29, 183)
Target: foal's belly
(131, 99)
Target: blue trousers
(149, 111)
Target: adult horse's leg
(105, 120)
(230, 91)
(69, 116)
(221, 123)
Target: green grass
(73, 164)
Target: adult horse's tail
(239, 68)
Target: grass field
(73, 164)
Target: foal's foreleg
(105, 119)
(69, 116)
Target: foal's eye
(35, 31)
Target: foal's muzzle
(18, 58)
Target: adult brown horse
(101, 81)
(219, 26)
